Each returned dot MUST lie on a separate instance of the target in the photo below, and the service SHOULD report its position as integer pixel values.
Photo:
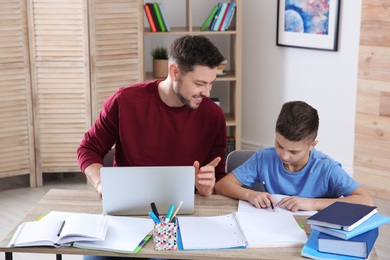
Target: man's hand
(205, 177)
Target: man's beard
(182, 99)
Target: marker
(169, 214)
(265, 189)
(177, 210)
(154, 209)
(153, 216)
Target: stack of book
(220, 17)
(343, 231)
(156, 17)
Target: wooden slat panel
(16, 132)
(116, 47)
(59, 33)
(372, 125)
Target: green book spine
(209, 18)
(159, 19)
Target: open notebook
(241, 229)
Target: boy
(294, 167)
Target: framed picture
(311, 24)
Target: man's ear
(173, 71)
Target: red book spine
(150, 19)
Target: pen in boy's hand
(265, 189)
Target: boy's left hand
(294, 203)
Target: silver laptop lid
(130, 190)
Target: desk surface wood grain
(88, 201)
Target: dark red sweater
(147, 132)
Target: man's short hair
(191, 50)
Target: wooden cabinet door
(116, 47)
(16, 131)
(59, 49)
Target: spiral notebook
(241, 229)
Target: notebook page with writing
(245, 206)
(270, 229)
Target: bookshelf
(186, 17)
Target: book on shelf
(224, 17)
(149, 18)
(230, 144)
(310, 250)
(215, 17)
(216, 101)
(342, 215)
(154, 16)
(239, 230)
(220, 16)
(359, 246)
(164, 17)
(230, 19)
(207, 22)
(60, 229)
(375, 221)
(221, 68)
(158, 15)
(124, 235)
(229, 16)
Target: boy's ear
(313, 144)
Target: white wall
(326, 80)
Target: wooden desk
(88, 201)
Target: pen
(154, 209)
(169, 214)
(177, 210)
(62, 226)
(153, 216)
(265, 189)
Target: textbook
(240, 230)
(342, 215)
(373, 222)
(60, 228)
(124, 235)
(209, 18)
(310, 250)
(359, 246)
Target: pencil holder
(165, 236)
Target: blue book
(342, 215)
(228, 16)
(359, 246)
(215, 17)
(310, 250)
(164, 17)
(220, 16)
(373, 222)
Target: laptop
(130, 190)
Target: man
(164, 122)
(311, 179)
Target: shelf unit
(229, 42)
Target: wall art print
(311, 24)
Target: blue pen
(153, 216)
(169, 214)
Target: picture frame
(310, 24)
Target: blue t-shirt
(322, 177)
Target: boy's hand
(261, 200)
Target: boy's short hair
(190, 50)
(298, 121)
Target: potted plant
(160, 62)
